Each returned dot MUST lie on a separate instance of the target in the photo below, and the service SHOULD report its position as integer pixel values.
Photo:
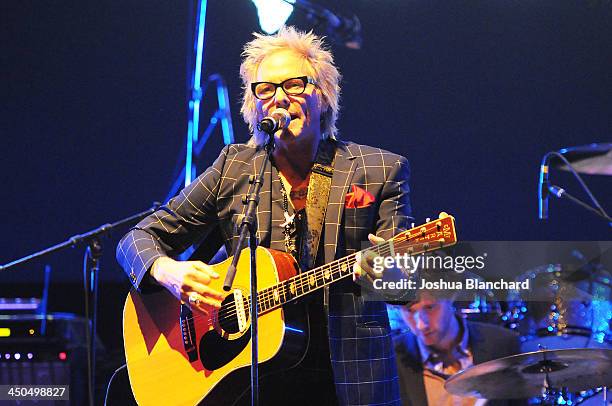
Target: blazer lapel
(344, 168)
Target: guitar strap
(319, 187)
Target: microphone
(543, 191)
(277, 120)
(557, 191)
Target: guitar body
(215, 362)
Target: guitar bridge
(188, 332)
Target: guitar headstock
(432, 235)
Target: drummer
(440, 343)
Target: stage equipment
(591, 159)
(278, 120)
(194, 144)
(544, 373)
(339, 29)
(92, 240)
(346, 31)
(484, 308)
(18, 305)
(249, 227)
(567, 306)
(273, 14)
(31, 354)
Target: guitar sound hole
(228, 320)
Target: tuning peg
(428, 219)
(411, 225)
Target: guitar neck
(305, 283)
(431, 236)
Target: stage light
(17, 355)
(30, 355)
(273, 14)
(62, 356)
(5, 332)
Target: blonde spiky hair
(312, 48)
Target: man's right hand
(188, 279)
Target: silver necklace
(289, 224)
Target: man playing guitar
(350, 358)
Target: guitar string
(267, 295)
(336, 268)
(228, 312)
(302, 280)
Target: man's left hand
(364, 264)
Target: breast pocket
(357, 224)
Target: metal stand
(195, 56)
(561, 193)
(91, 267)
(249, 226)
(546, 188)
(195, 143)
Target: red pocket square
(358, 198)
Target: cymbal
(524, 375)
(592, 159)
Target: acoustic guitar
(176, 356)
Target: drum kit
(564, 322)
(565, 308)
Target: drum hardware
(480, 305)
(567, 307)
(551, 375)
(483, 308)
(592, 159)
(547, 367)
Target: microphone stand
(546, 188)
(249, 226)
(91, 267)
(560, 193)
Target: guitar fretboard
(430, 236)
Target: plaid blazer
(361, 350)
